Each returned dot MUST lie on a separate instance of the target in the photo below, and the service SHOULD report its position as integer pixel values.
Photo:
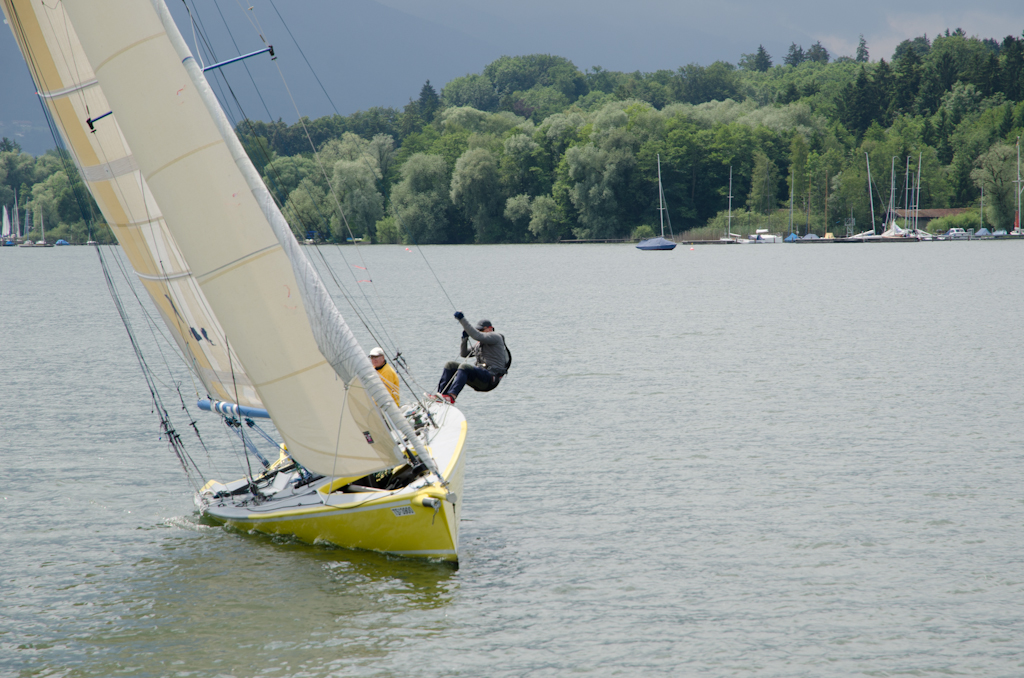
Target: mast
(871, 197)
(1019, 187)
(661, 202)
(791, 208)
(906, 191)
(981, 216)
(826, 201)
(892, 195)
(17, 222)
(917, 192)
(728, 227)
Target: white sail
(17, 225)
(278, 317)
(7, 223)
(66, 83)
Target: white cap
(376, 351)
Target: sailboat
(42, 236)
(247, 309)
(659, 243)
(7, 240)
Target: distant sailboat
(17, 222)
(7, 226)
(659, 243)
(42, 235)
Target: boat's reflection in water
(289, 607)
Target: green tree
(817, 53)
(862, 50)
(472, 90)
(518, 211)
(996, 174)
(599, 179)
(519, 170)
(309, 211)
(429, 102)
(795, 56)
(764, 184)
(476, 191)
(1012, 68)
(759, 61)
(283, 175)
(797, 179)
(420, 201)
(546, 220)
(362, 205)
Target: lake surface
(723, 461)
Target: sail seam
(160, 169)
(174, 276)
(289, 376)
(231, 266)
(126, 48)
(57, 94)
(110, 170)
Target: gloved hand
(464, 335)
(459, 315)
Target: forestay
(67, 85)
(278, 317)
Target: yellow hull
(396, 522)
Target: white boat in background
(352, 469)
(761, 235)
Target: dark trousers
(457, 375)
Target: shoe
(448, 398)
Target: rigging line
(298, 47)
(313, 147)
(194, 424)
(245, 450)
(337, 439)
(174, 441)
(72, 65)
(244, 65)
(38, 77)
(313, 71)
(368, 303)
(330, 185)
(251, 15)
(443, 290)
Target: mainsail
(7, 224)
(66, 83)
(279, 321)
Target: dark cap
(482, 324)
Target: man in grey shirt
(492, 361)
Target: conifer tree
(862, 50)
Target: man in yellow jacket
(386, 372)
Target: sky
(380, 52)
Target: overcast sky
(369, 53)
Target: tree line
(532, 149)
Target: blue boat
(656, 244)
(659, 243)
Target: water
(745, 461)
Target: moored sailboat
(660, 243)
(7, 239)
(246, 307)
